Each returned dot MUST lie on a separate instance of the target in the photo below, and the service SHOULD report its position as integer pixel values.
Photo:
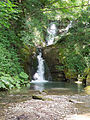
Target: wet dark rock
(22, 117)
(41, 97)
(50, 54)
(44, 92)
(71, 101)
(33, 63)
(38, 97)
(74, 101)
(30, 62)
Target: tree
(7, 11)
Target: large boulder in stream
(50, 54)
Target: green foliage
(8, 82)
(34, 23)
(75, 53)
(10, 66)
(11, 74)
(24, 24)
(75, 48)
(23, 75)
(39, 12)
(9, 60)
(7, 12)
(33, 33)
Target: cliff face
(50, 54)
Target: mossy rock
(87, 90)
(88, 78)
(45, 91)
(40, 97)
(70, 75)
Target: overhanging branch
(65, 7)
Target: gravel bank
(52, 108)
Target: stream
(74, 101)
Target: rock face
(50, 54)
(88, 79)
(31, 63)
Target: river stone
(39, 97)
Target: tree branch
(66, 7)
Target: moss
(69, 74)
(25, 52)
(40, 97)
(87, 90)
(88, 77)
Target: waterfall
(66, 29)
(51, 33)
(39, 75)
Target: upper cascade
(66, 29)
(51, 33)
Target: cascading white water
(39, 75)
(67, 28)
(52, 30)
(51, 33)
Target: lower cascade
(39, 75)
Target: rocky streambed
(42, 106)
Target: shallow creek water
(73, 92)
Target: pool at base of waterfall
(38, 81)
(56, 86)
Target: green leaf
(24, 75)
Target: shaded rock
(22, 117)
(37, 97)
(30, 60)
(50, 54)
(88, 79)
(41, 97)
(74, 101)
(45, 91)
(87, 90)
